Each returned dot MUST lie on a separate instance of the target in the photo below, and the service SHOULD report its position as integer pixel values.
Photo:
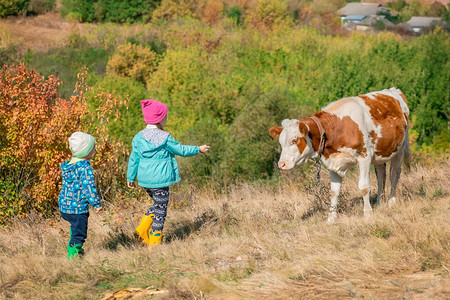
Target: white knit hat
(81, 144)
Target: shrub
(172, 9)
(212, 11)
(78, 10)
(133, 61)
(9, 53)
(250, 151)
(430, 73)
(13, 7)
(234, 13)
(154, 43)
(267, 13)
(35, 125)
(40, 6)
(124, 11)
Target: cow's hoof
(331, 218)
(392, 201)
(368, 214)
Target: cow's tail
(407, 151)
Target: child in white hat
(78, 190)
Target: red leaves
(34, 129)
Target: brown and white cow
(364, 130)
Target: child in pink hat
(152, 161)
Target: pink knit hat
(154, 111)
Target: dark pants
(78, 227)
(160, 198)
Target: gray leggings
(160, 198)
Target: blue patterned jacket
(78, 188)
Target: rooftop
(365, 9)
(422, 21)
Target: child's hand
(204, 148)
(98, 209)
(130, 185)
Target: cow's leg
(364, 184)
(380, 170)
(336, 182)
(395, 170)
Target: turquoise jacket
(152, 158)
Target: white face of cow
(296, 147)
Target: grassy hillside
(254, 241)
(219, 78)
(227, 74)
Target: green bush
(79, 10)
(13, 7)
(133, 61)
(126, 11)
(156, 45)
(429, 73)
(235, 13)
(122, 11)
(251, 153)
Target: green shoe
(75, 250)
(79, 248)
(70, 250)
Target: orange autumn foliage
(35, 124)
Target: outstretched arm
(182, 150)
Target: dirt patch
(41, 32)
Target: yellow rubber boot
(154, 239)
(142, 230)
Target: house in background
(419, 24)
(362, 16)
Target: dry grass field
(39, 33)
(254, 241)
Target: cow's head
(296, 147)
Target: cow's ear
(303, 129)
(275, 131)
